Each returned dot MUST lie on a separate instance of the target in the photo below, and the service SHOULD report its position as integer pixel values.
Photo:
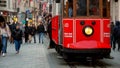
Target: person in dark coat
(111, 34)
(12, 27)
(49, 30)
(17, 36)
(118, 34)
(33, 32)
(26, 33)
(41, 31)
(30, 33)
(115, 34)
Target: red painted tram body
(85, 35)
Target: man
(17, 36)
(49, 30)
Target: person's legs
(50, 44)
(39, 37)
(118, 44)
(42, 36)
(114, 44)
(19, 44)
(4, 43)
(111, 41)
(34, 38)
(16, 45)
(25, 38)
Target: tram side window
(106, 8)
(68, 8)
(64, 8)
(81, 8)
(94, 7)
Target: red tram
(82, 28)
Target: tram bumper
(88, 49)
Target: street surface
(35, 55)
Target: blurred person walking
(33, 32)
(111, 34)
(17, 36)
(30, 33)
(49, 30)
(116, 35)
(26, 33)
(5, 34)
(46, 25)
(40, 30)
(13, 26)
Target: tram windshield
(86, 8)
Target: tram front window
(81, 8)
(94, 7)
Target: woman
(5, 34)
(17, 36)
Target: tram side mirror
(116, 0)
(57, 1)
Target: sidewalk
(30, 56)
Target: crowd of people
(16, 32)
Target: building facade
(115, 10)
(8, 8)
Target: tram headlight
(88, 30)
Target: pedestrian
(45, 25)
(17, 36)
(12, 27)
(118, 35)
(111, 34)
(115, 34)
(49, 30)
(30, 33)
(5, 34)
(41, 30)
(26, 33)
(33, 32)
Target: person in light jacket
(5, 34)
